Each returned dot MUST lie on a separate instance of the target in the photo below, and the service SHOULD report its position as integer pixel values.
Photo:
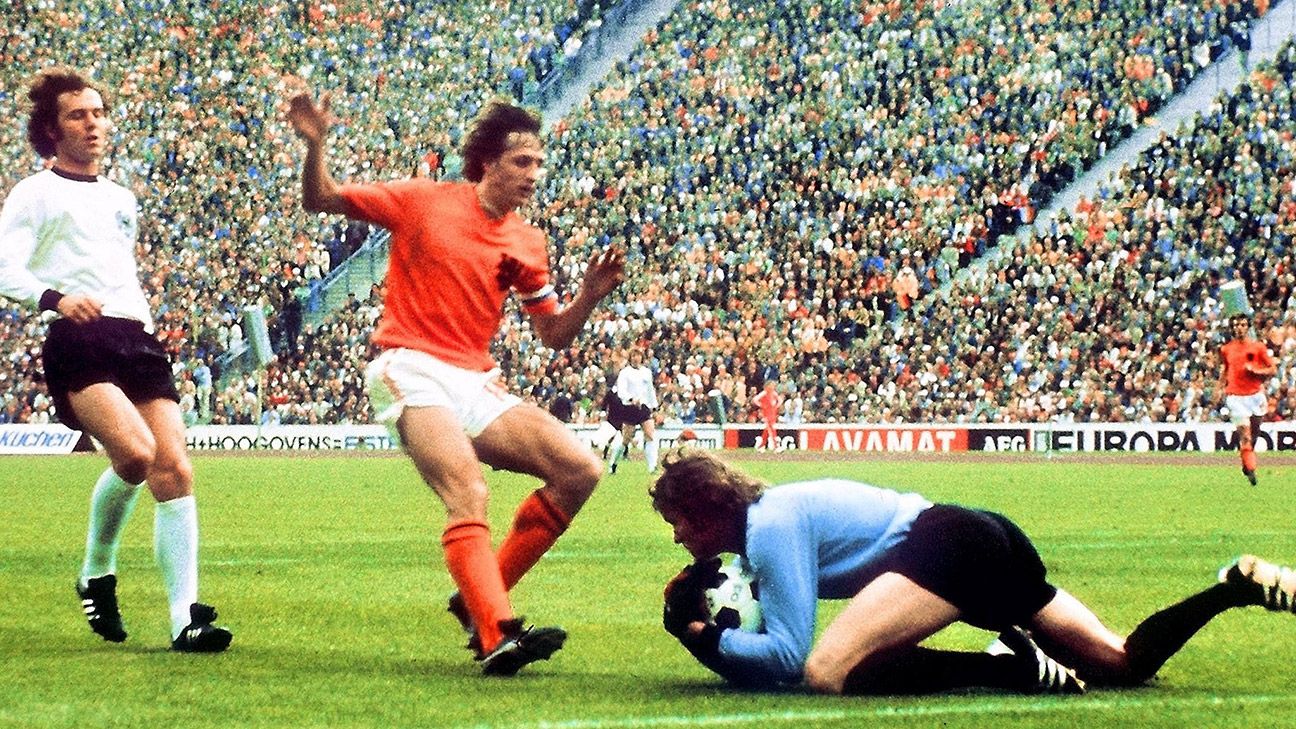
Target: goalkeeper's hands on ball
(686, 616)
(684, 610)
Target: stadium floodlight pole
(258, 337)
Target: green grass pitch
(328, 569)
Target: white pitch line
(1007, 706)
(1207, 539)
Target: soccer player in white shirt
(638, 396)
(67, 247)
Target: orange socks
(468, 556)
(1249, 459)
(536, 526)
(484, 578)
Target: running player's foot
(99, 601)
(1250, 474)
(1041, 674)
(459, 609)
(1277, 584)
(200, 636)
(520, 647)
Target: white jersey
(634, 385)
(74, 236)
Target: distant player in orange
(457, 251)
(1247, 366)
(767, 403)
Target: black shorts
(620, 415)
(979, 561)
(109, 349)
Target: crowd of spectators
(797, 184)
(196, 88)
(798, 192)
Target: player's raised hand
(606, 271)
(309, 120)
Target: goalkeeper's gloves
(705, 647)
(684, 600)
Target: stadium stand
(797, 184)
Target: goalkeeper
(908, 568)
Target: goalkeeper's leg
(1072, 633)
(892, 614)
(919, 670)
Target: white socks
(175, 544)
(615, 452)
(175, 541)
(111, 504)
(650, 454)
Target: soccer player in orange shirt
(767, 402)
(457, 250)
(1247, 365)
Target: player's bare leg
(1246, 448)
(890, 612)
(444, 457)
(650, 444)
(526, 439)
(873, 647)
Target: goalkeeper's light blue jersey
(805, 541)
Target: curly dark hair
(696, 482)
(43, 93)
(489, 136)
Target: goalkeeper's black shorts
(978, 561)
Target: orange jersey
(768, 404)
(1237, 354)
(451, 268)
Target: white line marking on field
(1206, 539)
(1006, 706)
(254, 562)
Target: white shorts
(404, 378)
(1243, 407)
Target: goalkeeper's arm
(703, 641)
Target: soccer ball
(735, 601)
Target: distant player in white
(67, 247)
(637, 398)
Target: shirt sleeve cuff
(49, 300)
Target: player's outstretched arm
(604, 273)
(312, 122)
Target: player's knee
(464, 499)
(571, 481)
(822, 678)
(582, 475)
(171, 479)
(134, 461)
(822, 674)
